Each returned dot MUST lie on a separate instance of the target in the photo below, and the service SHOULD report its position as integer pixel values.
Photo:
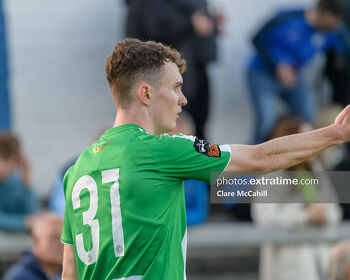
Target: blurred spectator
(339, 268)
(45, 262)
(297, 261)
(346, 4)
(187, 26)
(18, 202)
(284, 45)
(337, 68)
(4, 89)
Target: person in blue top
(18, 202)
(284, 45)
(337, 66)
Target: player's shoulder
(173, 141)
(165, 139)
(165, 144)
(182, 138)
(66, 177)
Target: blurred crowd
(283, 100)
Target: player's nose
(182, 100)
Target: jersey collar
(123, 127)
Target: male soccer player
(125, 211)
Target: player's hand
(343, 118)
(202, 24)
(24, 166)
(286, 75)
(343, 124)
(316, 214)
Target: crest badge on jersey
(98, 147)
(205, 148)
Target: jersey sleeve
(187, 157)
(66, 236)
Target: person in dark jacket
(284, 45)
(187, 26)
(45, 262)
(337, 68)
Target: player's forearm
(69, 274)
(284, 152)
(70, 271)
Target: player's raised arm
(69, 264)
(288, 151)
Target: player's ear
(144, 93)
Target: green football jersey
(125, 208)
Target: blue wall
(4, 90)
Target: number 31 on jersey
(89, 183)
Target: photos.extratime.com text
(262, 181)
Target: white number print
(87, 182)
(109, 176)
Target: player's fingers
(344, 116)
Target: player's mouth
(178, 115)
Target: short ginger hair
(133, 60)
(9, 146)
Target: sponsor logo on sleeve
(205, 148)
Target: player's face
(168, 99)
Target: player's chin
(168, 128)
(172, 126)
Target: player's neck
(138, 118)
